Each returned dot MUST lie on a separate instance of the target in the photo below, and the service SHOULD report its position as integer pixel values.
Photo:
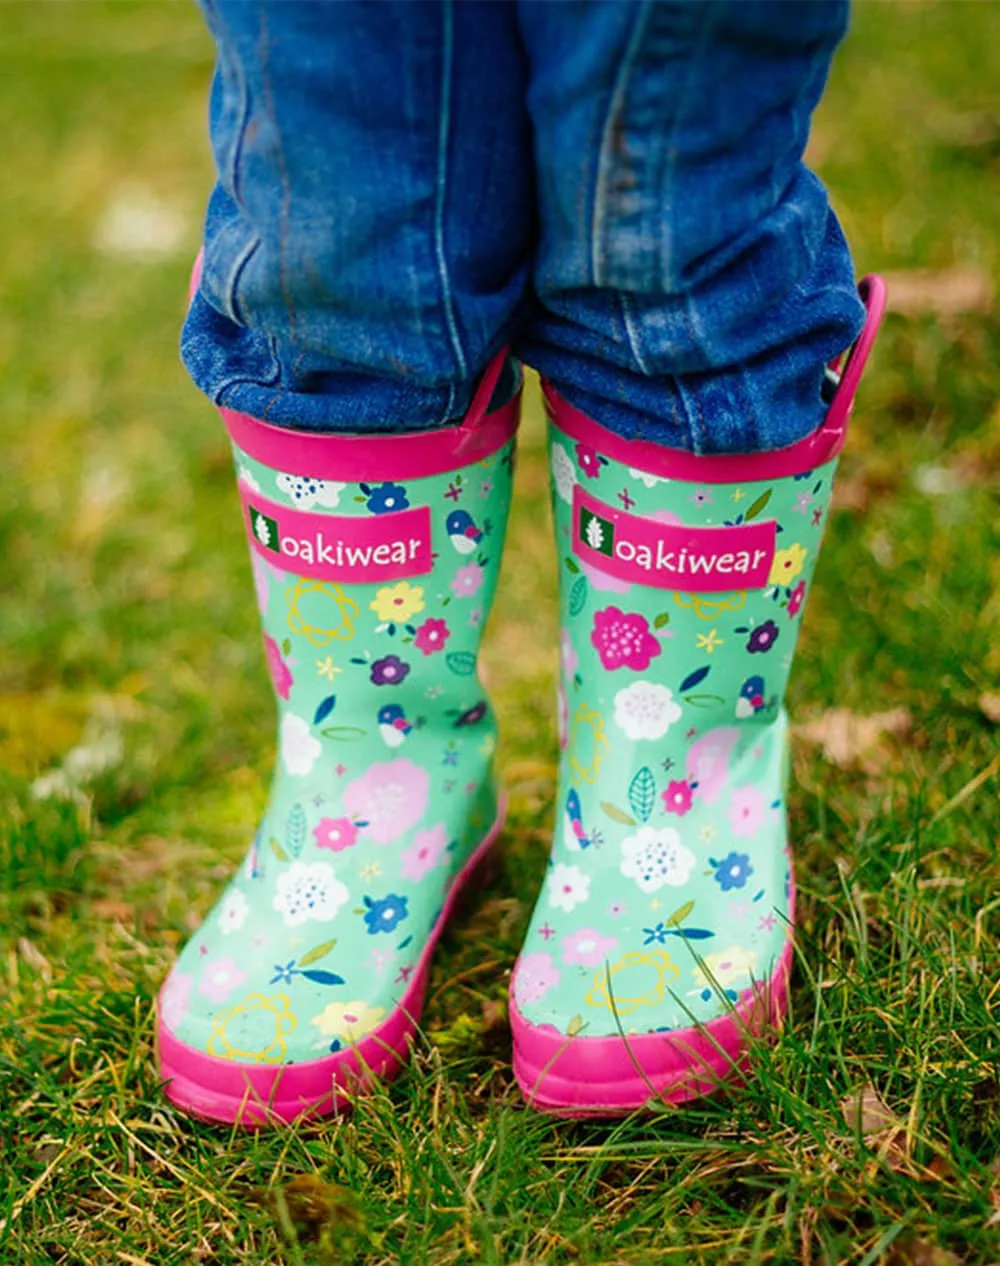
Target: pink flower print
(677, 797)
(281, 674)
(390, 796)
(623, 641)
(220, 979)
(746, 811)
(586, 947)
(260, 574)
(708, 762)
(431, 636)
(467, 581)
(336, 834)
(796, 599)
(588, 460)
(175, 997)
(535, 975)
(425, 852)
(617, 909)
(570, 659)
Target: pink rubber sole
(612, 1076)
(260, 1094)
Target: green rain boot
(661, 940)
(375, 561)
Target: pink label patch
(334, 547)
(671, 555)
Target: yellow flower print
(348, 1021)
(397, 603)
(708, 642)
(636, 980)
(587, 727)
(710, 608)
(337, 610)
(787, 565)
(254, 1029)
(726, 969)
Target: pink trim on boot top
(612, 1076)
(669, 463)
(258, 1094)
(353, 458)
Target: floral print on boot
(375, 562)
(662, 935)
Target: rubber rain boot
(375, 561)
(661, 941)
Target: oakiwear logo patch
(645, 551)
(358, 551)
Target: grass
(128, 629)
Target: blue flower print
(385, 914)
(733, 871)
(385, 498)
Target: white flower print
(655, 857)
(645, 710)
(563, 473)
(568, 887)
(309, 892)
(247, 479)
(644, 477)
(299, 750)
(305, 491)
(233, 912)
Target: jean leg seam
(444, 135)
(604, 161)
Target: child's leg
(693, 284)
(365, 256)
(368, 244)
(693, 279)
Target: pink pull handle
(873, 294)
(484, 392)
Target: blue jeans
(614, 188)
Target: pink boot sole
(612, 1076)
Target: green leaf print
(316, 953)
(461, 663)
(680, 914)
(642, 794)
(758, 506)
(295, 830)
(662, 620)
(617, 815)
(574, 1026)
(578, 595)
(278, 851)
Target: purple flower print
(762, 638)
(733, 871)
(389, 671)
(623, 640)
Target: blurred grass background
(133, 695)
